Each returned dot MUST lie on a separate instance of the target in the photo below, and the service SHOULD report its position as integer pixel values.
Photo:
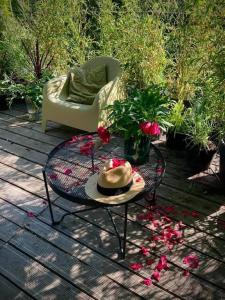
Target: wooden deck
(78, 259)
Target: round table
(71, 163)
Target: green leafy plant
(11, 90)
(150, 104)
(177, 117)
(199, 126)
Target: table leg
(48, 198)
(125, 231)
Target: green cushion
(84, 84)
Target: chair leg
(44, 124)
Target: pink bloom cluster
(149, 128)
(104, 134)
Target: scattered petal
(136, 266)
(186, 273)
(68, 171)
(192, 261)
(30, 214)
(156, 275)
(144, 251)
(53, 176)
(195, 214)
(147, 281)
(150, 261)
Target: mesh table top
(71, 163)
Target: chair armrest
(53, 87)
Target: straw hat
(116, 183)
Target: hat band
(114, 191)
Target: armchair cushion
(84, 84)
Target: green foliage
(177, 116)
(150, 104)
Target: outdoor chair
(85, 117)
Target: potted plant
(139, 118)
(176, 135)
(200, 148)
(9, 92)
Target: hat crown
(115, 174)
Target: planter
(222, 160)
(199, 159)
(176, 140)
(33, 111)
(4, 105)
(137, 151)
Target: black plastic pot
(199, 159)
(222, 160)
(3, 103)
(176, 140)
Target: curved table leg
(48, 198)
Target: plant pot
(222, 160)
(4, 105)
(137, 151)
(176, 140)
(33, 111)
(199, 159)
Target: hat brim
(135, 189)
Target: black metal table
(71, 163)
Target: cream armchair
(85, 117)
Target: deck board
(81, 254)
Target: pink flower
(103, 134)
(156, 275)
(154, 129)
(118, 162)
(144, 251)
(147, 281)
(30, 214)
(145, 127)
(192, 261)
(186, 273)
(136, 266)
(68, 171)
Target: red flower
(156, 275)
(192, 261)
(144, 251)
(103, 134)
(118, 162)
(145, 127)
(147, 281)
(154, 129)
(136, 266)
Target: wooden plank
(9, 291)
(138, 235)
(24, 181)
(32, 277)
(70, 268)
(7, 229)
(21, 198)
(104, 242)
(104, 265)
